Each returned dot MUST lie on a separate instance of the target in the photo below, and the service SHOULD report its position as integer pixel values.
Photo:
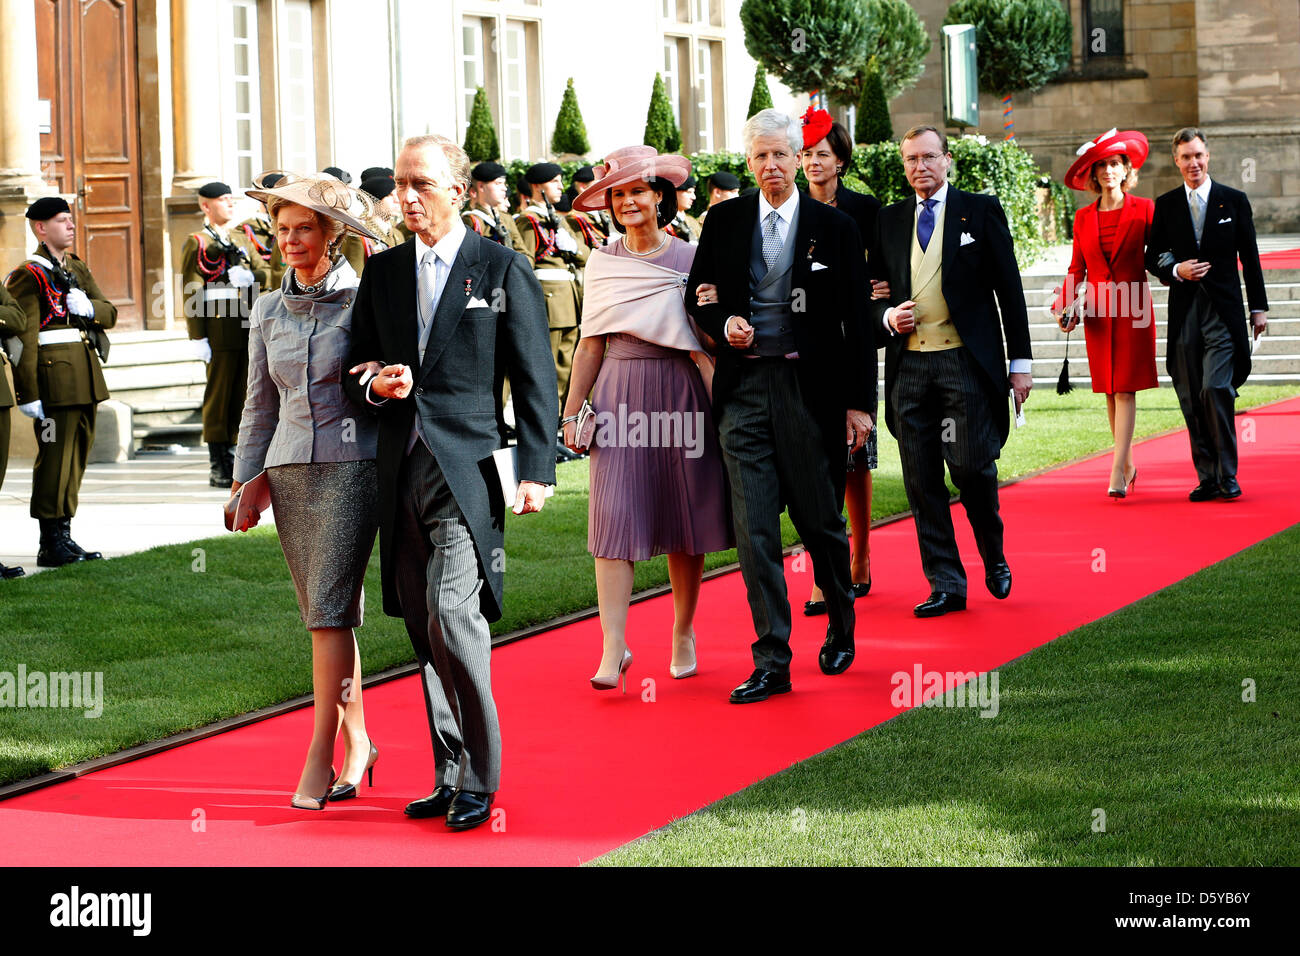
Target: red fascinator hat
(816, 124)
(1112, 143)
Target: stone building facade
(1231, 67)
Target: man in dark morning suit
(794, 374)
(945, 254)
(437, 322)
(1197, 233)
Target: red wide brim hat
(627, 165)
(1129, 142)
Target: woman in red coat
(1108, 272)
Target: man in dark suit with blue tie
(437, 322)
(796, 370)
(1197, 234)
(945, 254)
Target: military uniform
(60, 367)
(13, 322)
(686, 228)
(217, 311)
(557, 271)
(593, 227)
(260, 233)
(491, 224)
(357, 249)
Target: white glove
(33, 410)
(240, 277)
(202, 350)
(79, 304)
(565, 242)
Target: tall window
(479, 63)
(1103, 29)
(704, 96)
(673, 74)
(514, 69)
(297, 87)
(241, 105)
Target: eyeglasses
(929, 159)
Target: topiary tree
(896, 47)
(809, 44)
(481, 136)
(873, 124)
(660, 128)
(1020, 44)
(760, 98)
(570, 134)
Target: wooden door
(86, 60)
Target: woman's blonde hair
(331, 227)
(1130, 175)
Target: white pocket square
(817, 265)
(476, 303)
(967, 238)
(1222, 221)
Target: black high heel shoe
(347, 791)
(312, 803)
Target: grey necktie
(425, 289)
(1197, 206)
(771, 239)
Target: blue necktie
(925, 223)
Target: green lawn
(1139, 715)
(184, 642)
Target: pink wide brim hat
(1130, 142)
(627, 165)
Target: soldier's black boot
(65, 524)
(54, 551)
(217, 465)
(14, 572)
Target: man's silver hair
(772, 123)
(457, 159)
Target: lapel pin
(812, 244)
(468, 287)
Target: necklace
(649, 253)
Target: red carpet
(1282, 259)
(586, 772)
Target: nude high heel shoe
(609, 683)
(680, 673)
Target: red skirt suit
(1118, 321)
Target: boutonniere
(812, 245)
(469, 287)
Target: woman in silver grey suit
(318, 452)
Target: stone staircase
(156, 375)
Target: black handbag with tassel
(1063, 386)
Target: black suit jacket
(973, 273)
(837, 363)
(859, 207)
(458, 387)
(1229, 232)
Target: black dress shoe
(861, 590)
(435, 804)
(760, 686)
(998, 580)
(813, 608)
(836, 654)
(469, 809)
(940, 602)
(1229, 489)
(7, 572)
(1205, 491)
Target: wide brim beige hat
(627, 165)
(324, 194)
